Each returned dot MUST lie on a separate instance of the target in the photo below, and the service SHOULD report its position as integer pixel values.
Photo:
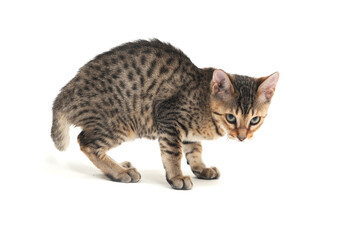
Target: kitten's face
(239, 103)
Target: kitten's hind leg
(192, 152)
(95, 147)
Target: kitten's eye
(255, 120)
(230, 118)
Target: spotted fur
(149, 89)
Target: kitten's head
(240, 103)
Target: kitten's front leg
(192, 152)
(171, 153)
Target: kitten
(149, 89)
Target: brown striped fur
(149, 89)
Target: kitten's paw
(180, 182)
(126, 165)
(207, 173)
(129, 175)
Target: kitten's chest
(207, 131)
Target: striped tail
(60, 130)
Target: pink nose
(241, 138)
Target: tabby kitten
(149, 89)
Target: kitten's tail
(60, 130)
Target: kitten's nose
(241, 138)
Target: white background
(297, 179)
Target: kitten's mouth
(241, 138)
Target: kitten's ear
(221, 85)
(267, 87)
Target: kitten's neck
(216, 130)
(207, 73)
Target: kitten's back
(118, 88)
